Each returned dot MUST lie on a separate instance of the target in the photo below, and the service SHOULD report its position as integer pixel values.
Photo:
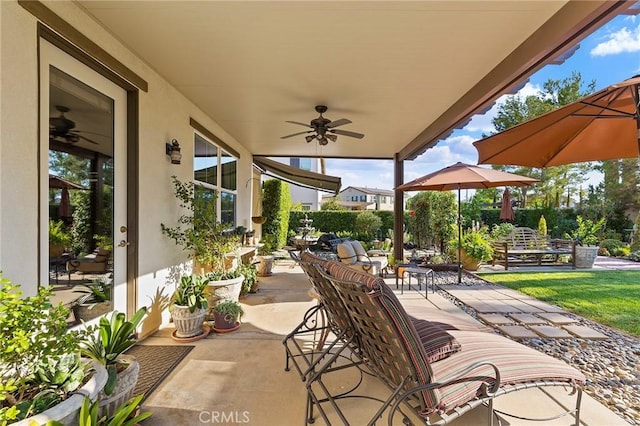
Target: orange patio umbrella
(602, 126)
(464, 176)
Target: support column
(398, 209)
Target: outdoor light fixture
(173, 151)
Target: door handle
(123, 243)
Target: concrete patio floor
(239, 377)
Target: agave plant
(113, 336)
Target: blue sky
(609, 55)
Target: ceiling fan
(324, 129)
(63, 128)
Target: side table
(421, 274)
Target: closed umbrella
(464, 176)
(602, 126)
(506, 209)
(64, 209)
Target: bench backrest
(523, 238)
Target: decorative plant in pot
(250, 283)
(475, 249)
(587, 234)
(189, 306)
(59, 238)
(125, 414)
(106, 344)
(42, 374)
(96, 300)
(265, 256)
(227, 316)
(210, 243)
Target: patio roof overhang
(297, 176)
(251, 66)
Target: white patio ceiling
(403, 72)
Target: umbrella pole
(459, 240)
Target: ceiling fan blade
(88, 133)
(348, 133)
(299, 123)
(337, 123)
(296, 134)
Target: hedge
(276, 203)
(334, 221)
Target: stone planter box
(585, 256)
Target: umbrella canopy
(64, 209)
(602, 126)
(58, 182)
(464, 176)
(506, 209)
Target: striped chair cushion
(437, 343)
(343, 272)
(517, 364)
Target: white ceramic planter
(188, 324)
(123, 391)
(224, 290)
(67, 411)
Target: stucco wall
(163, 114)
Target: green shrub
(588, 231)
(613, 247)
(276, 206)
(367, 224)
(500, 230)
(542, 226)
(475, 244)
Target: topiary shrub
(367, 225)
(276, 204)
(542, 226)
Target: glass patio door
(83, 180)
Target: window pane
(305, 163)
(205, 161)
(228, 171)
(228, 202)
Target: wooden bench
(524, 245)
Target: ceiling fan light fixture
(323, 141)
(332, 138)
(309, 138)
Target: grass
(607, 297)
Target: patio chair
(440, 374)
(94, 263)
(352, 254)
(322, 357)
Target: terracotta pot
(264, 266)
(224, 322)
(188, 324)
(469, 263)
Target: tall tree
(558, 183)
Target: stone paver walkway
(520, 316)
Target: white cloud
(624, 40)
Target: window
(306, 207)
(301, 163)
(363, 198)
(215, 172)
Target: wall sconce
(173, 151)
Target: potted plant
(227, 316)
(59, 238)
(475, 249)
(199, 232)
(210, 243)
(41, 371)
(126, 414)
(250, 283)
(96, 300)
(106, 344)
(265, 256)
(189, 306)
(587, 237)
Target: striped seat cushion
(517, 364)
(437, 343)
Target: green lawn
(608, 297)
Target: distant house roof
(373, 191)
